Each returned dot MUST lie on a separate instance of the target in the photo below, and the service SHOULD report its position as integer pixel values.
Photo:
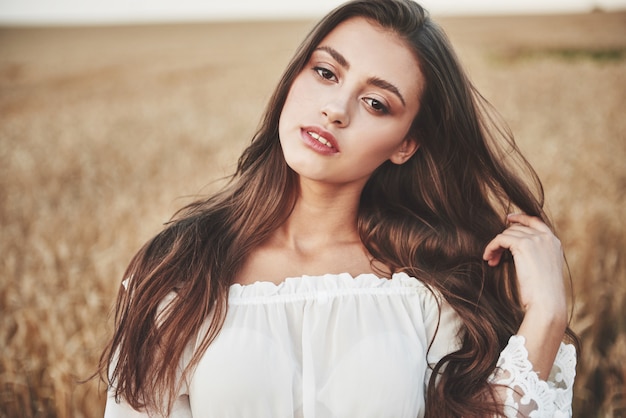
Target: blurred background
(135, 11)
(114, 114)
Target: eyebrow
(336, 56)
(379, 82)
(375, 81)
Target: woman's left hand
(538, 259)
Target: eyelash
(323, 72)
(379, 107)
(376, 105)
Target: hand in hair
(538, 260)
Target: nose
(336, 113)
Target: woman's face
(351, 107)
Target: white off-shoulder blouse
(343, 346)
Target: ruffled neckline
(327, 283)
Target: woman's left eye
(376, 105)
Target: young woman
(363, 261)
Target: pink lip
(315, 144)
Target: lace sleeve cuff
(526, 394)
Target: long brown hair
(430, 217)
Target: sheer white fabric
(338, 346)
(526, 394)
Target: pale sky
(134, 11)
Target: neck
(323, 215)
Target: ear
(404, 151)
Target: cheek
(304, 93)
(299, 105)
(384, 141)
(291, 105)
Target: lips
(320, 140)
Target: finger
(507, 240)
(518, 232)
(521, 230)
(523, 227)
(529, 221)
(496, 247)
(494, 257)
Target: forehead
(375, 51)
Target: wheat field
(106, 131)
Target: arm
(539, 265)
(523, 393)
(528, 362)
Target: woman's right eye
(325, 73)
